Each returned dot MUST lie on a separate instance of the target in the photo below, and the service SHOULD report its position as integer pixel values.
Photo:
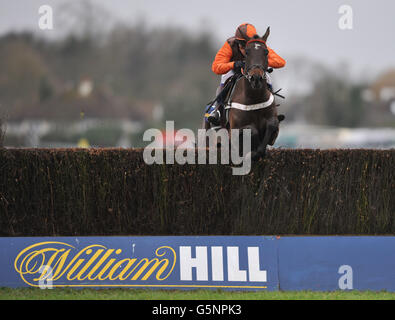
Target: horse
(251, 105)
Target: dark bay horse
(252, 105)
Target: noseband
(254, 66)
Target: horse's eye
(266, 52)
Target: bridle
(254, 66)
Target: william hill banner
(242, 263)
(204, 262)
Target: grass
(145, 294)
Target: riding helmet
(245, 32)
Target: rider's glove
(238, 65)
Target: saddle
(223, 97)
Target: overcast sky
(298, 27)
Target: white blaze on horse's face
(257, 46)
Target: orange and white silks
(223, 61)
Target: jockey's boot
(215, 116)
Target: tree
(335, 101)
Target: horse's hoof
(255, 156)
(258, 155)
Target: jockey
(230, 60)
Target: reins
(259, 66)
(254, 66)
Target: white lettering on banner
(254, 272)
(201, 263)
(217, 263)
(234, 273)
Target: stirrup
(214, 118)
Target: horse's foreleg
(270, 130)
(254, 142)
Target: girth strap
(251, 107)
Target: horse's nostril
(257, 79)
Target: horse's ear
(266, 35)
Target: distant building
(384, 87)
(381, 100)
(85, 88)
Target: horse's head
(256, 62)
